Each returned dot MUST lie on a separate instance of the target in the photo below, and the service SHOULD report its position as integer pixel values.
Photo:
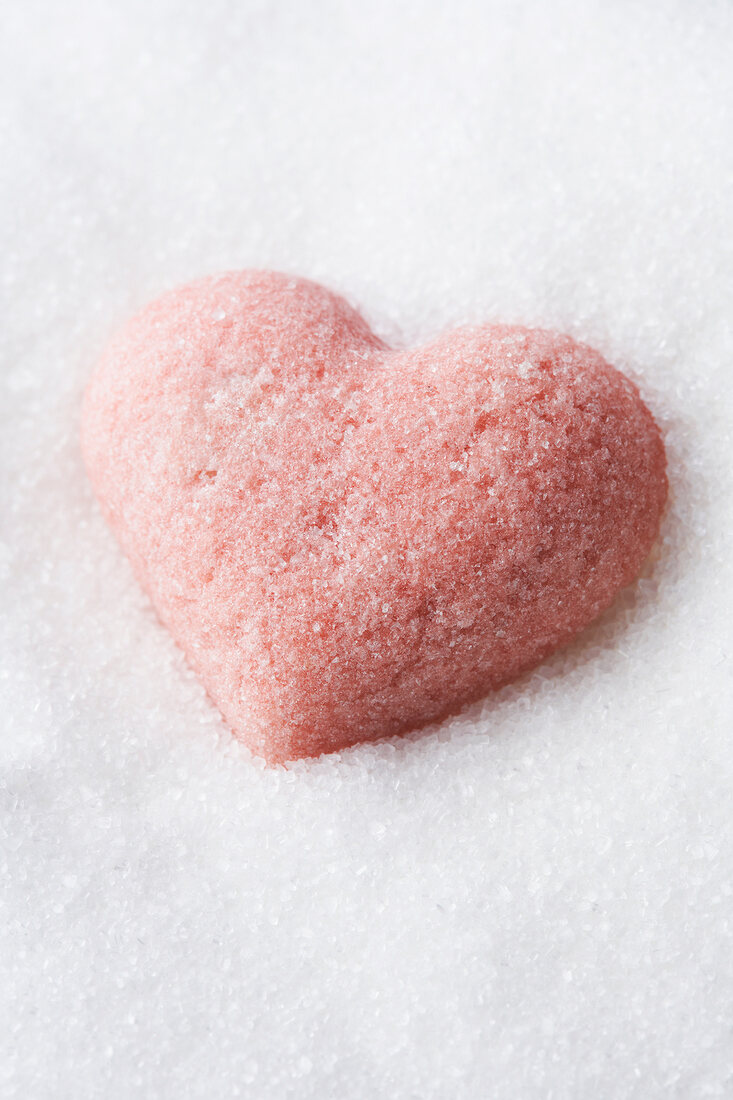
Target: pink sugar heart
(349, 541)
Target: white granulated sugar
(534, 900)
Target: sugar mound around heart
(349, 541)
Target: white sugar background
(534, 900)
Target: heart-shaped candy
(349, 541)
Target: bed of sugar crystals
(534, 900)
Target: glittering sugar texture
(349, 541)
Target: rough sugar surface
(349, 541)
(531, 900)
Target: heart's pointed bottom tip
(350, 542)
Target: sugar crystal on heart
(349, 541)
